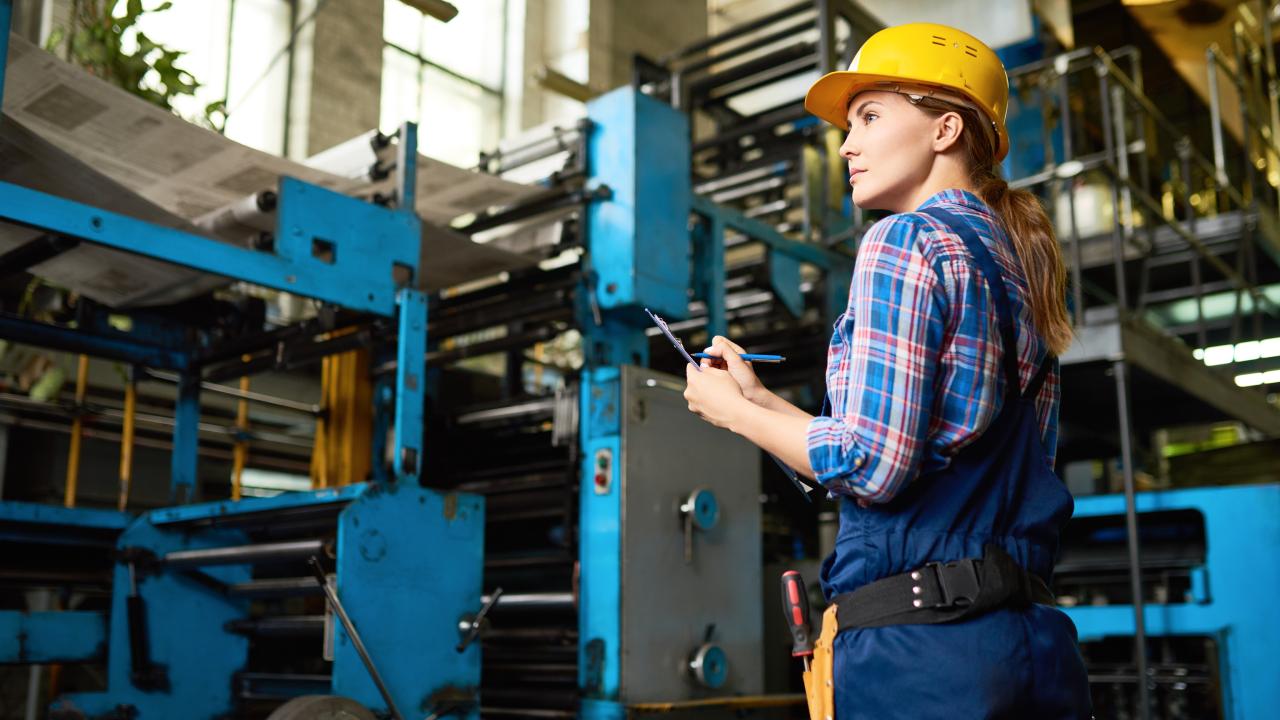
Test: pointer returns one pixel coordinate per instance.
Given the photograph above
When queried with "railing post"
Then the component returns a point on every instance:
(1117, 233)
(1119, 370)
(1077, 288)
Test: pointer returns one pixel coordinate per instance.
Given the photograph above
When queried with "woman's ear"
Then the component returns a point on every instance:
(949, 128)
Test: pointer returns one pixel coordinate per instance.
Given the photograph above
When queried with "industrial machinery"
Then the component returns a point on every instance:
(610, 486)
(1207, 639)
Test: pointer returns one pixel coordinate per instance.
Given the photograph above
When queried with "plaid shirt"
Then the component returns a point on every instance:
(913, 371)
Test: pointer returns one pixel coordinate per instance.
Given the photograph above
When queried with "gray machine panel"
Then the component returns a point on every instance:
(667, 453)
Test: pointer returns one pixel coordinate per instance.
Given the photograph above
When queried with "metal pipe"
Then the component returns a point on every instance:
(532, 601)
(1122, 158)
(1077, 259)
(77, 431)
(242, 393)
(1117, 234)
(350, 627)
(1119, 369)
(288, 625)
(275, 588)
(736, 32)
(242, 554)
(242, 444)
(530, 408)
(126, 439)
(1215, 117)
(1184, 155)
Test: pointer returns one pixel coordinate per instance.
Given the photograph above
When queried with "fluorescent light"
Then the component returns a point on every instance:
(1247, 351)
(1271, 347)
(1198, 354)
(1249, 380)
(1219, 355)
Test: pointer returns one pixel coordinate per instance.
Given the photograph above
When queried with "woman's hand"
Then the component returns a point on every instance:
(741, 370)
(714, 395)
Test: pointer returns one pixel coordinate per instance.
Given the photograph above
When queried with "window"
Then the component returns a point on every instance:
(446, 77)
(241, 53)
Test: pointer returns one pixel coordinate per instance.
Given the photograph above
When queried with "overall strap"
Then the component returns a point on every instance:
(988, 269)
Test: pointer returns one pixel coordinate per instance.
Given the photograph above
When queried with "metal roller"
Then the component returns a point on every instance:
(533, 601)
(242, 554)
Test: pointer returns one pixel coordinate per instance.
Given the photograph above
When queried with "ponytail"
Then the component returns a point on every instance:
(1034, 241)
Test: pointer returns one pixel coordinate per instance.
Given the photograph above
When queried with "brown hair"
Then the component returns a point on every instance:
(1024, 219)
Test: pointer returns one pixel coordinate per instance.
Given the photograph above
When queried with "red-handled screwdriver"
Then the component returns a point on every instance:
(795, 604)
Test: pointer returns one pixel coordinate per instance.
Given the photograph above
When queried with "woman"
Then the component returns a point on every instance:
(943, 395)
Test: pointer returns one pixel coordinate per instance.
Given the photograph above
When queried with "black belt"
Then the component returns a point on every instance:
(942, 593)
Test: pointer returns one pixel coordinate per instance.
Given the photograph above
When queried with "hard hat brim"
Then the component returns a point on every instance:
(828, 97)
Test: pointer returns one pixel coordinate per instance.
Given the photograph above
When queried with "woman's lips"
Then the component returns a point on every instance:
(853, 173)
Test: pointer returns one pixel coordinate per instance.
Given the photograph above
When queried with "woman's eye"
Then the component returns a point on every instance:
(866, 119)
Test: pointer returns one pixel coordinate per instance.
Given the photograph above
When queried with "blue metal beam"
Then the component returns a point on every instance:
(188, 513)
(411, 367)
(12, 511)
(6, 14)
(758, 230)
(314, 227)
(52, 637)
(184, 464)
(56, 337)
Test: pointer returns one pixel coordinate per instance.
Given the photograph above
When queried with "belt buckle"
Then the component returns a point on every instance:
(957, 582)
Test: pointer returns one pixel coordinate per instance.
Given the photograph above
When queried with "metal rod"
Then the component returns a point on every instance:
(1077, 286)
(1119, 369)
(77, 432)
(1215, 117)
(242, 445)
(528, 601)
(241, 393)
(355, 637)
(126, 440)
(242, 554)
(1117, 233)
(1184, 155)
(275, 587)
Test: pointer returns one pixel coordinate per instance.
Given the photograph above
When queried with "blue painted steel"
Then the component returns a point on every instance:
(766, 234)
(183, 467)
(839, 281)
(603, 402)
(709, 273)
(369, 240)
(57, 525)
(784, 278)
(1242, 532)
(411, 366)
(602, 710)
(147, 329)
(184, 629)
(600, 554)
(706, 510)
(410, 565)
(57, 337)
(187, 513)
(639, 239)
(11, 511)
(50, 637)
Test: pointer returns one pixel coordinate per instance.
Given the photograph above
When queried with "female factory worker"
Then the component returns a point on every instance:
(942, 405)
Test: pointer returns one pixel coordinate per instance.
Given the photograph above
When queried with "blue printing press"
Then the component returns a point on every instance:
(191, 567)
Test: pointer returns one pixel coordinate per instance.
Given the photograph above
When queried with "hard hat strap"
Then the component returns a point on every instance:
(915, 93)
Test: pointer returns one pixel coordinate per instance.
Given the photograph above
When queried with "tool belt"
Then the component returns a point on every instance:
(943, 592)
(935, 593)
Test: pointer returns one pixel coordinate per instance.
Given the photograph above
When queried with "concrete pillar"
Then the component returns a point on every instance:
(346, 73)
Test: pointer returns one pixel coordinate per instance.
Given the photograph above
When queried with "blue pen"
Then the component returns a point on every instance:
(746, 356)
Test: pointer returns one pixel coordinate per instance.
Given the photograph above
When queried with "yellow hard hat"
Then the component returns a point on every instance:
(920, 59)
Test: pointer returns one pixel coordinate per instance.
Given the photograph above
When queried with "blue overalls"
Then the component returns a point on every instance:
(999, 489)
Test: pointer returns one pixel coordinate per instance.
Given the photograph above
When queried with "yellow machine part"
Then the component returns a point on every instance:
(343, 451)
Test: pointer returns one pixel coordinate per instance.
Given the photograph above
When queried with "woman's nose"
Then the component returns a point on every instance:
(849, 149)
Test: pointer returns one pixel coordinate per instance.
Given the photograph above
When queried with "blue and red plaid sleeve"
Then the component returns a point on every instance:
(881, 365)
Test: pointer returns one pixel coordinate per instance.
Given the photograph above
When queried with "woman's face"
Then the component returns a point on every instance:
(890, 150)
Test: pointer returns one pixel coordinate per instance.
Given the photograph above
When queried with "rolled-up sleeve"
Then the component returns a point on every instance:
(882, 364)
